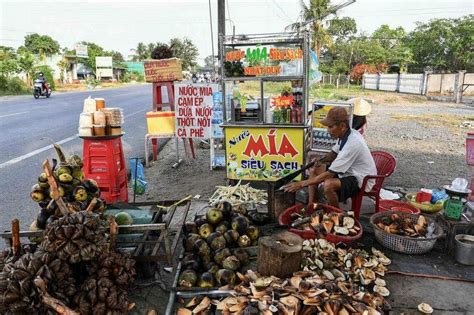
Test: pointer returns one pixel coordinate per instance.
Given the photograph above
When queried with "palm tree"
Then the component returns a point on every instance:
(141, 52)
(313, 16)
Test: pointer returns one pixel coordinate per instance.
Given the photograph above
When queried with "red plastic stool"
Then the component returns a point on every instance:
(104, 162)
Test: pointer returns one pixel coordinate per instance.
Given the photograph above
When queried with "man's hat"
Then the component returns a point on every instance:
(335, 115)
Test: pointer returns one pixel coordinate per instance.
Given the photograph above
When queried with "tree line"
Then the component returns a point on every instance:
(438, 45)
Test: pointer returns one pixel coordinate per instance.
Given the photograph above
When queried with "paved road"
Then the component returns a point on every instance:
(29, 126)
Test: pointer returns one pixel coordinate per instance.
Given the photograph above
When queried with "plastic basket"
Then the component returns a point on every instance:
(285, 219)
(387, 205)
(424, 207)
(405, 244)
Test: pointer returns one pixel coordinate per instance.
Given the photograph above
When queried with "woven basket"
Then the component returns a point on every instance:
(405, 244)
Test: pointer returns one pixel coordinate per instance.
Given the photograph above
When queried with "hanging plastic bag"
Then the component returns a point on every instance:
(138, 182)
(314, 74)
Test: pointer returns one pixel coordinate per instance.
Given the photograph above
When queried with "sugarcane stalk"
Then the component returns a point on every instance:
(16, 237)
(54, 188)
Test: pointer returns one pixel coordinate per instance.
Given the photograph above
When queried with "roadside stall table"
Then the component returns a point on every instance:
(265, 135)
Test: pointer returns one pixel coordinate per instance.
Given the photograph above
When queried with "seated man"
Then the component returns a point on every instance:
(349, 162)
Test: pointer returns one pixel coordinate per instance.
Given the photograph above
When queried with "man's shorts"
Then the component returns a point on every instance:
(349, 188)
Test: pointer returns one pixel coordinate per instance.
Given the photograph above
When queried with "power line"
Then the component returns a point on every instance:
(278, 6)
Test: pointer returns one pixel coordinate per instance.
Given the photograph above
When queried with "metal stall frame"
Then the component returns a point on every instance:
(267, 39)
(302, 40)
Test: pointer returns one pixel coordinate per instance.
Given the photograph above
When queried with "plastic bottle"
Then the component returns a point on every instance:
(283, 114)
(276, 115)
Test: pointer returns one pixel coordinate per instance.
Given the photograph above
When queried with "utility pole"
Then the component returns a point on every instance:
(220, 23)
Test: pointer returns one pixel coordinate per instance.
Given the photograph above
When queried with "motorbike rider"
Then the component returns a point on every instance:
(43, 80)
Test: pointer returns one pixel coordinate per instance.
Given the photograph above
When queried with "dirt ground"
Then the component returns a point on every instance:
(426, 138)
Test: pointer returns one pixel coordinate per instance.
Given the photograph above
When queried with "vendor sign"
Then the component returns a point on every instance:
(163, 70)
(264, 60)
(193, 103)
(267, 154)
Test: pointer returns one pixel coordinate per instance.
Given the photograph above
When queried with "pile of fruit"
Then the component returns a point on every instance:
(77, 266)
(320, 221)
(214, 247)
(75, 191)
(395, 224)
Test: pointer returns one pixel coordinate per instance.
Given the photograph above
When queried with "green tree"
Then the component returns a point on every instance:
(185, 50)
(8, 67)
(314, 14)
(27, 64)
(342, 28)
(141, 52)
(48, 74)
(64, 66)
(444, 44)
(42, 45)
(7, 53)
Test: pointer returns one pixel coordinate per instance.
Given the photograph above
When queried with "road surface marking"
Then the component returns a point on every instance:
(35, 152)
(8, 115)
(134, 113)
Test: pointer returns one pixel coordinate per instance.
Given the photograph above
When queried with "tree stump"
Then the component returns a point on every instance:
(279, 255)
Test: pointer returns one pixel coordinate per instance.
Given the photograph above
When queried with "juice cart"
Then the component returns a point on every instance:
(265, 101)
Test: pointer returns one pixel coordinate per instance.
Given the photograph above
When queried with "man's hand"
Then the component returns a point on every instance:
(293, 187)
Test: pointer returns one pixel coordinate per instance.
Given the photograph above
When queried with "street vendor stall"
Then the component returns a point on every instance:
(264, 135)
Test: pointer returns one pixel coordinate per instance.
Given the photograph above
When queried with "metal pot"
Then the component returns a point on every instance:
(464, 251)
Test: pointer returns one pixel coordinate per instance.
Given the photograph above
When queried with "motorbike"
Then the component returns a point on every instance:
(41, 90)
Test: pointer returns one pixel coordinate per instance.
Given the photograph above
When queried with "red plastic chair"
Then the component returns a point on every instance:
(385, 164)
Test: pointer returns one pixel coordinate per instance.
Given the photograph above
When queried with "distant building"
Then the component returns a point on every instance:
(70, 75)
(135, 66)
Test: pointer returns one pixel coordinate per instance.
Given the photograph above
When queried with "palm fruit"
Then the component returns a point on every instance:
(81, 236)
(240, 224)
(62, 169)
(205, 230)
(221, 254)
(80, 193)
(225, 277)
(43, 178)
(104, 291)
(190, 240)
(18, 293)
(216, 240)
(244, 241)
(206, 280)
(214, 216)
(222, 227)
(253, 232)
(78, 173)
(188, 278)
(37, 194)
(231, 263)
(242, 255)
(65, 178)
(231, 236)
(90, 185)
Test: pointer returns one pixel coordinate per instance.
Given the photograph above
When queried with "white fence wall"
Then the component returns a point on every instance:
(405, 83)
(388, 82)
(411, 83)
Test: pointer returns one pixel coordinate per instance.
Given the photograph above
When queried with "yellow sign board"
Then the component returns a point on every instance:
(263, 153)
(319, 114)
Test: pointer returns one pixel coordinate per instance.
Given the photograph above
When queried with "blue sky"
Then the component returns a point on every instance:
(120, 25)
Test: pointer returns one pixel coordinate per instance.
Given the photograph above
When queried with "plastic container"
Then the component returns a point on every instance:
(86, 120)
(85, 132)
(89, 105)
(285, 219)
(424, 207)
(115, 131)
(99, 130)
(464, 250)
(114, 116)
(423, 196)
(387, 205)
(99, 118)
(161, 123)
(99, 103)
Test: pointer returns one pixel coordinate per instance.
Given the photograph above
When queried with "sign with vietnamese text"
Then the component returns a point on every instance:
(163, 70)
(267, 60)
(193, 104)
(262, 153)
